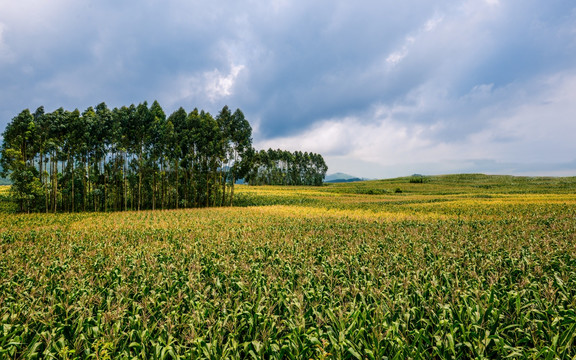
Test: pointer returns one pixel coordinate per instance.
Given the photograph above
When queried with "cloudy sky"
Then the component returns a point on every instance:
(381, 88)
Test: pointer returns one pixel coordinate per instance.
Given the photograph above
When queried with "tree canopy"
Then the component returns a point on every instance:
(136, 157)
(281, 167)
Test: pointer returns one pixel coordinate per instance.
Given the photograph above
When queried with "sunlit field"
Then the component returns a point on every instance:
(463, 266)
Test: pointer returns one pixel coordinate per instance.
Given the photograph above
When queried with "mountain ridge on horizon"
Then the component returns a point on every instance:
(342, 177)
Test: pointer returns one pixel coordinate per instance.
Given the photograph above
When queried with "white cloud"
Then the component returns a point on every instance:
(209, 85)
(433, 23)
(382, 140)
(218, 85)
(538, 129)
(398, 55)
(394, 58)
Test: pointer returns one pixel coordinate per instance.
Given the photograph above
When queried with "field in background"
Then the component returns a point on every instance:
(457, 266)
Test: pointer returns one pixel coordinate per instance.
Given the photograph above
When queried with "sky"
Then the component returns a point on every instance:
(380, 88)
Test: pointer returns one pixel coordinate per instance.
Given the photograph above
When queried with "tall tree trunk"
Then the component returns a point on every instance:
(72, 177)
(105, 188)
(140, 177)
(84, 183)
(46, 195)
(232, 191)
(185, 188)
(223, 175)
(51, 175)
(154, 187)
(132, 198)
(95, 185)
(176, 183)
(163, 176)
(207, 186)
(125, 185)
(43, 179)
(55, 182)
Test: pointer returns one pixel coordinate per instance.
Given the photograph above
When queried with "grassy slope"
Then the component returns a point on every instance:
(466, 184)
(461, 266)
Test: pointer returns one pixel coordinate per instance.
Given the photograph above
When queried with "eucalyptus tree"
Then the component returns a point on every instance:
(128, 141)
(320, 169)
(41, 127)
(116, 169)
(175, 125)
(167, 140)
(72, 146)
(18, 152)
(208, 143)
(83, 135)
(236, 142)
(19, 136)
(224, 121)
(116, 166)
(190, 138)
(143, 120)
(57, 131)
(155, 147)
(101, 145)
(240, 140)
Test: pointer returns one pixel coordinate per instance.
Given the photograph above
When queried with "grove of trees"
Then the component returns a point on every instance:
(281, 167)
(136, 157)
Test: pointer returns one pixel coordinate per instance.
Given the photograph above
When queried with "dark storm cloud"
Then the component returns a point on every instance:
(306, 60)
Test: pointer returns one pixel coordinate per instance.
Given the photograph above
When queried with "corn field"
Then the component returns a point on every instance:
(455, 267)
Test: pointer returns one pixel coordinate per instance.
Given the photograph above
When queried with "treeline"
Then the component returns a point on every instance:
(136, 157)
(280, 167)
(127, 158)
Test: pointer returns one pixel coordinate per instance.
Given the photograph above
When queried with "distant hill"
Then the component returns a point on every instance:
(480, 185)
(341, 178)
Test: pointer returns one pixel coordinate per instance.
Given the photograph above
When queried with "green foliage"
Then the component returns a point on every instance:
(279, 167)
(126, 158)
(417, 179)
